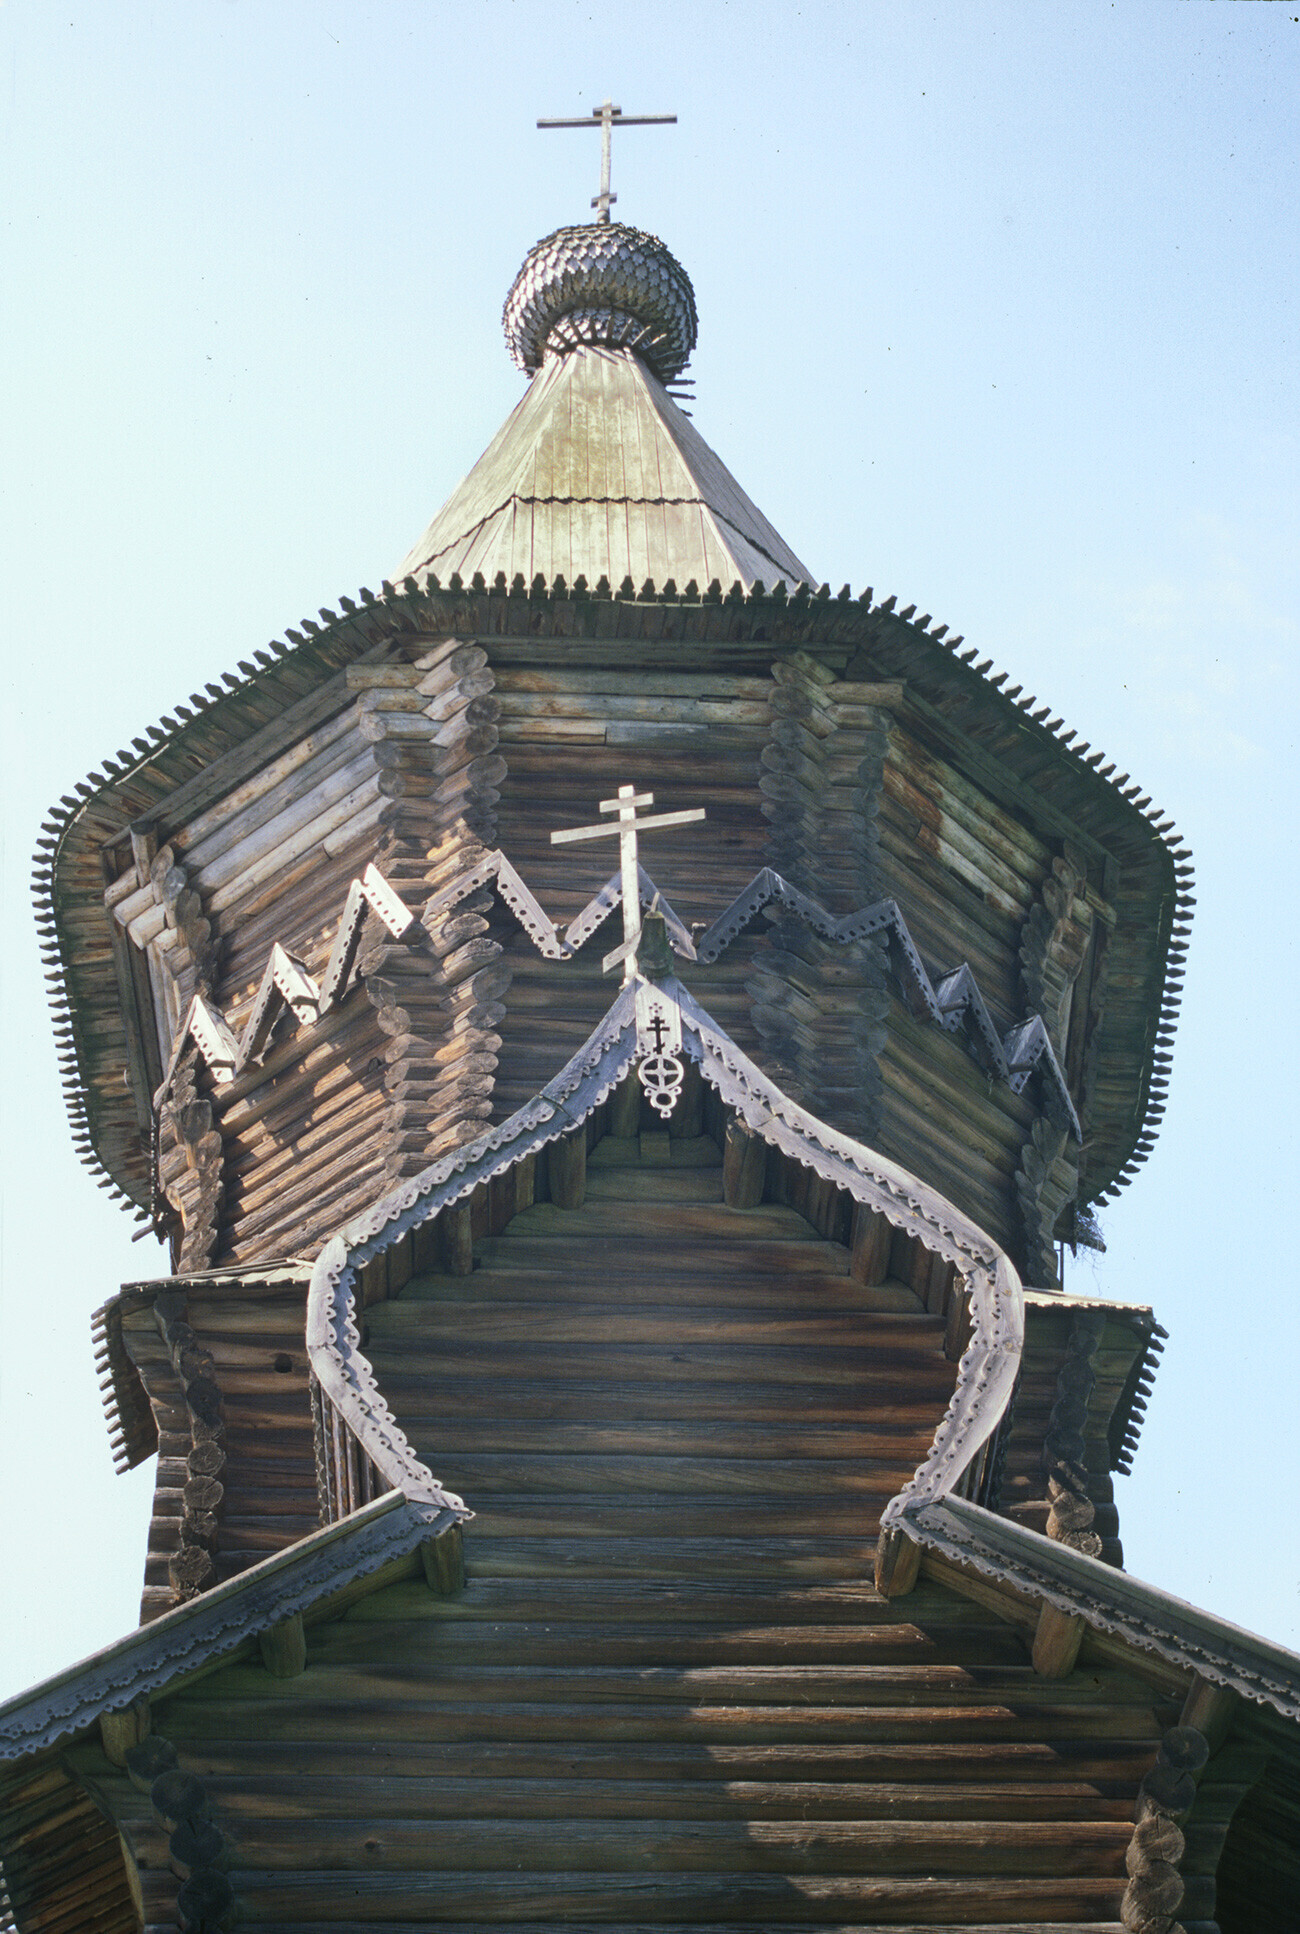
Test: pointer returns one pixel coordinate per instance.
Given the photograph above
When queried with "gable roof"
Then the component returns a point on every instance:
(597, 473)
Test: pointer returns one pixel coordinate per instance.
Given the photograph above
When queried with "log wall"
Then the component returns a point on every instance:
(571, 738)
(428, 759)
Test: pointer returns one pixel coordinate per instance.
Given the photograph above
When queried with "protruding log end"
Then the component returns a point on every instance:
(1056, 1642)
(744, 1167)
(898, 1564)
(284, 1648)
(443, 1559)
(120, 1731)
(148, 1761)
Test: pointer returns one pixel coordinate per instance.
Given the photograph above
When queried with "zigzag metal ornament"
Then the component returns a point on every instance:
(954, 1004)
(286, 983)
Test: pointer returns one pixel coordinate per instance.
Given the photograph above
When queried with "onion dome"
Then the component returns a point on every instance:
(606, 284)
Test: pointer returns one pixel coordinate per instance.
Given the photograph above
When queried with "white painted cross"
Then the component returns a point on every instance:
(627, 826)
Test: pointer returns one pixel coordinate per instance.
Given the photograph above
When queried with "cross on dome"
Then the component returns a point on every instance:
(608, 116)
(627, 826)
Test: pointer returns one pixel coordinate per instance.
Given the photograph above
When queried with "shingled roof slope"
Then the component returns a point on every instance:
(597, 473)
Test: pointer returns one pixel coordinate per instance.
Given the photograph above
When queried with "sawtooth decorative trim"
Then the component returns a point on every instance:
(132, 1426)
(108, 800)
(1126, 1423)
(285, 984)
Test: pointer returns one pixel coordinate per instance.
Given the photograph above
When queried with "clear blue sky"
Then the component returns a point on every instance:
(997, 313)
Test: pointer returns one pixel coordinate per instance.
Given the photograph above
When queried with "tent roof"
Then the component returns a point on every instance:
(597, 473)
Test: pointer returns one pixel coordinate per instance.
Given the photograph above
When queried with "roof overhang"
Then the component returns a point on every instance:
(1026, 757)
(310, 1578)
(1109, 1600)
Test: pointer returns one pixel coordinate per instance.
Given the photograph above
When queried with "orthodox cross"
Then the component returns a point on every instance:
(627, 826)
(607, 115)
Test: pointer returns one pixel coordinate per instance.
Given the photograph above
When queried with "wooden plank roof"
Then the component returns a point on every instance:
(597, 473)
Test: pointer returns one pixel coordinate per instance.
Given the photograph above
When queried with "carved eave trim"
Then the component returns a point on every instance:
(988, 1368)
(204, 1630)
(1140, 1614)
(1124, 1427)
(128, 1413)
(1040, 755)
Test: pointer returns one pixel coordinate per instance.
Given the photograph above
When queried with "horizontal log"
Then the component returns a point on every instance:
(967, 1847)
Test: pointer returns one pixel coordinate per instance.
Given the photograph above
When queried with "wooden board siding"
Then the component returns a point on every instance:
(941, 1117)
(669, 1692)
(212, 747)
(598, 473)
(431, 756)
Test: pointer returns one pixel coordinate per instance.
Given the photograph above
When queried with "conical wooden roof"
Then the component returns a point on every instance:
(597, 473)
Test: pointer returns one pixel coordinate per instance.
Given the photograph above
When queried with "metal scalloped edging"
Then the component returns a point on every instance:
(1108, 1599)
(215, 1623)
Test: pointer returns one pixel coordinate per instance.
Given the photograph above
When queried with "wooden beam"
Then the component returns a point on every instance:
(898, 1564)
(443, 1559)
(687, 1121)
(625, 1107)
(744, 1166)
(456, 1239)
(1209, 1708)
(284, 1648)
(869, 1244)
(567, 1168)
(1057, 1639)
(122, 1730)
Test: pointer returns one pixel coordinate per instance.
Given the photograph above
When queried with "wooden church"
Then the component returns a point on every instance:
(616, 1036)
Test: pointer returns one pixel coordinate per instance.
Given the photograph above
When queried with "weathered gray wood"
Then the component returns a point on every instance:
(744, 1167)
(897, 1564)
(121, 1730)
(1209, 1709)
(456, 1239)
(284, 1648)
(443, 1559)
(1057, 1638)
(567, 1170)
(869, 1245)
